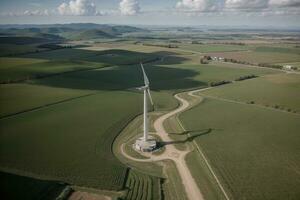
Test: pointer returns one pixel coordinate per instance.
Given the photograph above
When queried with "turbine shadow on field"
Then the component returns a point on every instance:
(122, 77)
(191, 135)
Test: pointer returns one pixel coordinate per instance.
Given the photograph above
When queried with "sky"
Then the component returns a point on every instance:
(252, 13)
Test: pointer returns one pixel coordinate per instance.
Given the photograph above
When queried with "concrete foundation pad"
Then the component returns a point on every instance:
(145, 146)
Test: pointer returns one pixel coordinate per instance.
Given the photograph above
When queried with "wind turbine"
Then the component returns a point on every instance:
(144, 143)
(146, 90)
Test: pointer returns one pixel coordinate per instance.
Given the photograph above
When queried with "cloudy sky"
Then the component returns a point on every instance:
(259, 13)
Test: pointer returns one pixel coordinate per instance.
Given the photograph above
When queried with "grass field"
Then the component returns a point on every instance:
(260, 57)
(254, 151)
(13, 49)
(20, 97)
(18, 187)
(95, 119)
(207, 48)
(37, 70)
(280, 90)
(286, 50)
(79, 151)
(112, 56)
(203, 177)
(63, 127)
(206, 74)
(7, 62)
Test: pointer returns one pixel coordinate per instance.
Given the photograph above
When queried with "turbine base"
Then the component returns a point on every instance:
(145, 146)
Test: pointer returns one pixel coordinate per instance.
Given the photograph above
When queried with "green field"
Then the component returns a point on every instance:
(254, 151)
(278, 49)
(143, 187)
(13, 49)
(38, 70)
(19, 187)
(20, 97)
(213, 73)
(207, 48)
(260, 57)
(80, 148)
(65, 112)
(280, 90)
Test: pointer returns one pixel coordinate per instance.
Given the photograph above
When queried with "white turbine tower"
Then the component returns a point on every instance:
(145, 143)
(146, 90)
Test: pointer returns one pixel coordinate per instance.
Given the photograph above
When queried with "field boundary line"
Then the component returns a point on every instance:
(247, 104)
(44, 106)
(211, 171)
(200, 151)
(208, 165)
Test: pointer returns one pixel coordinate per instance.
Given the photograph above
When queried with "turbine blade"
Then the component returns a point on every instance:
(149, 94)
(146, 80)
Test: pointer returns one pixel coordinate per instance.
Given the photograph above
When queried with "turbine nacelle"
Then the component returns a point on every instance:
(146, 86)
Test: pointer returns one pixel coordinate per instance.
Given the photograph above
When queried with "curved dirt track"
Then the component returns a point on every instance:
(171, 153)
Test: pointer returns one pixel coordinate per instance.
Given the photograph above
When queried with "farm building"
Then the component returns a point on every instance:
(288, 67)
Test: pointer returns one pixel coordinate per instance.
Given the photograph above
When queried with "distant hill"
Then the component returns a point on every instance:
(68, 31)
(90, 34)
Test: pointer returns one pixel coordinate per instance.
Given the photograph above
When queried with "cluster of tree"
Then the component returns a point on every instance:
(237, 61)
(175, 41)
(161, 45)
(196, 42)
(213, 84)
(205, 59)
(245, 77)
(230, 43)
(52, 46)
(270, 65)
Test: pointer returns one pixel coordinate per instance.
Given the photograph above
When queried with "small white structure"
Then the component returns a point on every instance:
(214, 58)
(288, 67)
(145, 143)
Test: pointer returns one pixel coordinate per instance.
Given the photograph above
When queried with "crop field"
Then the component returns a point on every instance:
(287, 50)
(212, 73)
(73, 154)
(7, 62)
(207, 48)
(37, 70)
(203, 177)
(12, 49)
(80, 148)
(20, 97)
(142, 187)
(254, 151)
(91, 106)
(260, 57)
(112, 56)
(65, 112)
(279, 90)
(20, 187)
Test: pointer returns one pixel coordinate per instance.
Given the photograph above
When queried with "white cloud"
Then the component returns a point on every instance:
(284, 3)
(246, 4)
(77, 7)
(35, 13)
(199, 5)
(129, 7)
